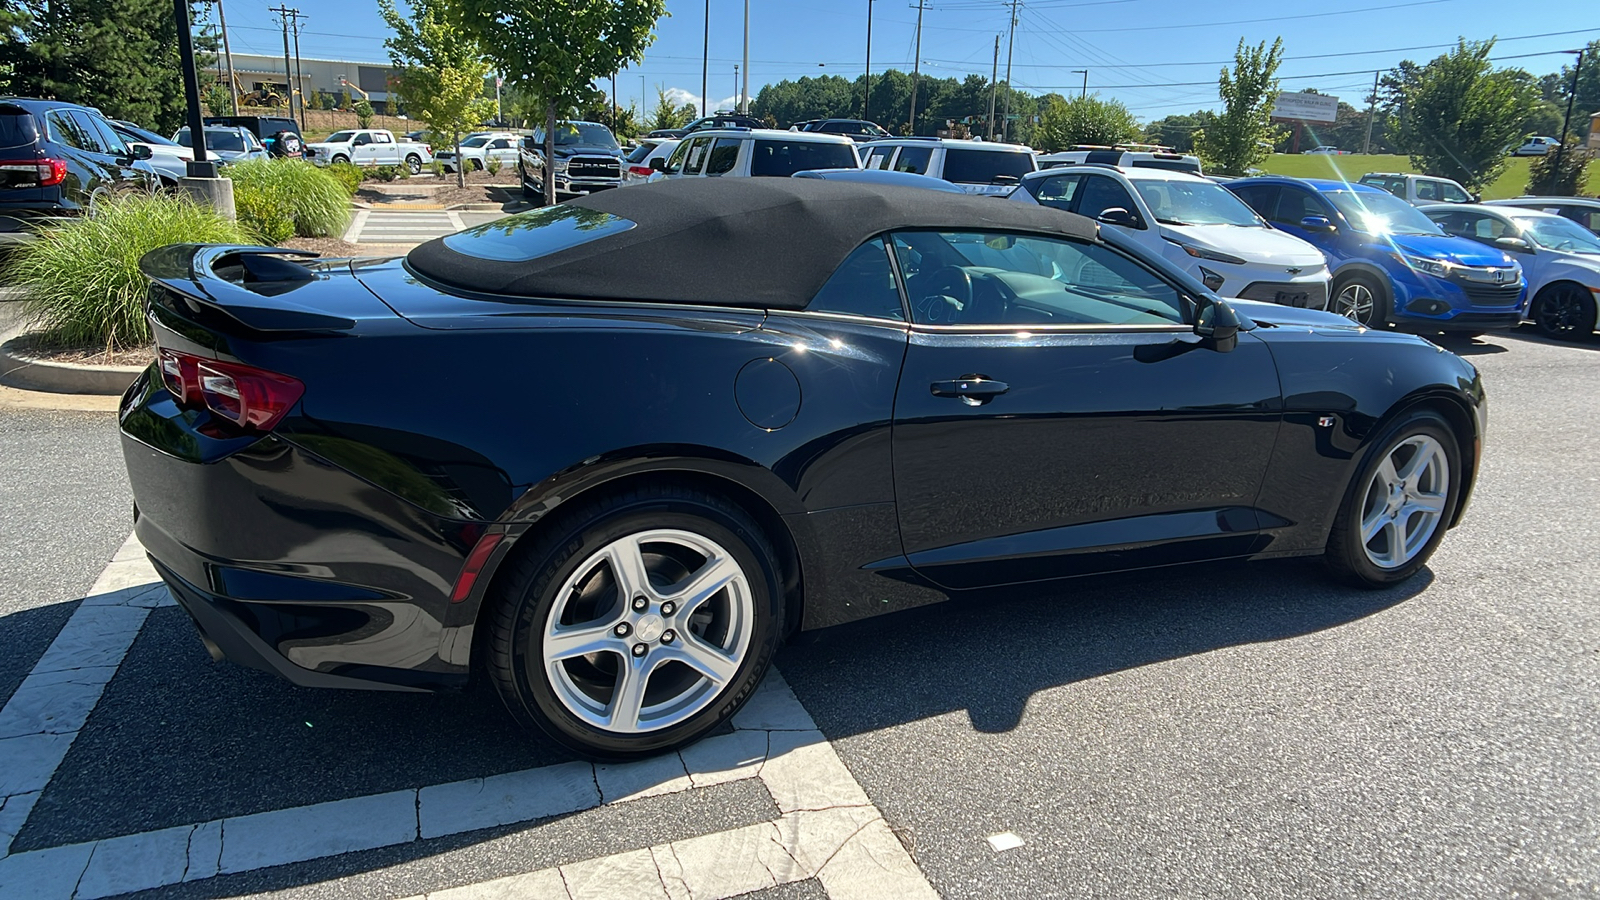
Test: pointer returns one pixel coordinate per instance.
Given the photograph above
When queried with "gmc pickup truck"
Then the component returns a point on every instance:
(370, 147)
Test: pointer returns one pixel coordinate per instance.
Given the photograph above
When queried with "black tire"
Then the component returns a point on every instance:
(525, 596)
(414, 164)
(1355, 283)
(341, 158)
(1346, 553)
(1564, 311)
(475, 165)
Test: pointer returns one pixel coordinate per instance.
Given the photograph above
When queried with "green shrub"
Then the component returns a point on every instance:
(364, 113)
(1544, 180)
(387, 173)
(265, 215)
(494, 166)
(347, 175)
(317, 202)
(81, 281)
(437, 168)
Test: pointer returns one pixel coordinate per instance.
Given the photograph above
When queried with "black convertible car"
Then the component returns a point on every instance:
(610, 453)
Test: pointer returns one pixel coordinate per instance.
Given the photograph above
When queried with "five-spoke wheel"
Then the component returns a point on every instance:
(636, 623)
(1400, 502)
(1361, 299)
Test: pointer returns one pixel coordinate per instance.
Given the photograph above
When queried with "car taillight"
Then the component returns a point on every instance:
(646, 171)
(428, 149)
(244, 395)
(47, 172)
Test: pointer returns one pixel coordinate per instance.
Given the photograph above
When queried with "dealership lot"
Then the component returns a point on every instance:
(1203, 732)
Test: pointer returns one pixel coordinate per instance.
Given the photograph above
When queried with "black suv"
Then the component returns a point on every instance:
(272, 131)
(56, 161)
(719, 119)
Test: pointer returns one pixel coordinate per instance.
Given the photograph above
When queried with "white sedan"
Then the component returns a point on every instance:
(1560, 258)
(478, 149)
(637, 168)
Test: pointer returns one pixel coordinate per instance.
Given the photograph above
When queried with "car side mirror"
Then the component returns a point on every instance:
(139, 151)
(659, 164)
(1514, 244)
(1218, 327)
(1319, 224)
(1116, 215)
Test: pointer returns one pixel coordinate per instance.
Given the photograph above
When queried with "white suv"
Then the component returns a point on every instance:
(977, 167)
(1129, 157)
(756, 152)
(1195, 223)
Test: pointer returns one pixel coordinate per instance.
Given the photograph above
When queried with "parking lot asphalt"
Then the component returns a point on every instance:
(1218, 731)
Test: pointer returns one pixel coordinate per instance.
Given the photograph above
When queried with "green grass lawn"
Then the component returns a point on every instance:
(1511, 183)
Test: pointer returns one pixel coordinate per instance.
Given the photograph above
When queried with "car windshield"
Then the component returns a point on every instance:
(576, 134)
(475, 142)
(1375, 212)
(220, 141)
(1559, 234)
(984, 166)
(1195, 203)
(780, 158)
(134, 133)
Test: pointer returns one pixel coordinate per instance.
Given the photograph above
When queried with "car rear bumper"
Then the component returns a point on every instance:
(289, 562)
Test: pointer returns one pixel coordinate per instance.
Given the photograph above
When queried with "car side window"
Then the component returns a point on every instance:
(88, 134)
(863, 285)
(1100, 193)
(1295, 204)
(1057, 191)
(988, 278)
(1588, 218)
(362, 140)
(1259, 197)
(1453, 194)
(697, 156)
(382, 138)
(724, 156)
(64, 129)
(1427, 190)
(878, 158)
(675, 161)
(109, 139)
(913, 160)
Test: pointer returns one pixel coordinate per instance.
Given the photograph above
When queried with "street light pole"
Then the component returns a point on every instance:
(200, 167)
(705, 63)
(227, 52)
(866, 101)
(1566, 122)
(744, 95)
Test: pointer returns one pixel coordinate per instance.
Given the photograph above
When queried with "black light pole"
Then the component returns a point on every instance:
(199, 167)
(1572, 94)
(866, 102)
(705, 62)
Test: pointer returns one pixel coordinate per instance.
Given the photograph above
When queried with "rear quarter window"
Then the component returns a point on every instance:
(982, 166)
(17, 128)
(780, 158)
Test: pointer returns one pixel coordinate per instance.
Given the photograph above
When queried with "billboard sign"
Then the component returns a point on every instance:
(1308, 107)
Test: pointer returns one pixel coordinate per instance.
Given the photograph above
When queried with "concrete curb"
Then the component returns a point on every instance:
(19, 370)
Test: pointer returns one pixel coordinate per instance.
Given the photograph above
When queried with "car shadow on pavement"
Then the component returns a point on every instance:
(1531, 335)
(989, 654)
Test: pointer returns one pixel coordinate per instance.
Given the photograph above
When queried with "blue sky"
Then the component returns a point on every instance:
(1156, 56)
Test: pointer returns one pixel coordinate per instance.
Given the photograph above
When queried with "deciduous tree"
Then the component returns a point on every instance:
(1084, 120)
(1456, 115)
(439, 73)
(556, 49)
(1243, 134)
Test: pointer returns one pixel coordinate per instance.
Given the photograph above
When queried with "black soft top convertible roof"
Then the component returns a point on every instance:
(746, 242)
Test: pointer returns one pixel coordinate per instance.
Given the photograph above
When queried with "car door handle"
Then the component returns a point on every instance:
(973, 390)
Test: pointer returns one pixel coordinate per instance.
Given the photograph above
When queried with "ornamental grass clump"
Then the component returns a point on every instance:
(80, 282)
(318, 204)
(347, 175)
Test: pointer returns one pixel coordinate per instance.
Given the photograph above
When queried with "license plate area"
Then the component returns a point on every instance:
(1291, 298)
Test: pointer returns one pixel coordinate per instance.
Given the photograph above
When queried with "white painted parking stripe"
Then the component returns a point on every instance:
(49, 708)
(357, 222)
(828, 828)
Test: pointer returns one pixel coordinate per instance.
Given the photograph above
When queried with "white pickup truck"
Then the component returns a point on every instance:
(371, 147)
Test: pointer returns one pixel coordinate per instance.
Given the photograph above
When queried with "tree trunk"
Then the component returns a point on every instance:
(461, 164)
(549, 154)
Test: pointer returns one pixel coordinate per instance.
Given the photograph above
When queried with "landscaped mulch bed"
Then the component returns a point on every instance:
(329, 247)
(31, 345)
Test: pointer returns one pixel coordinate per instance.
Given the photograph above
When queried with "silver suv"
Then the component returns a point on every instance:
(756, 152)
(977, 167)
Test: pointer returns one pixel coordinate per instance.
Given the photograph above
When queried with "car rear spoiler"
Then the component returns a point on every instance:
(249, 284)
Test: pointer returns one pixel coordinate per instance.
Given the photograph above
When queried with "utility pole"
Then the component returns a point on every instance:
(744, 95)
(916, 67)
(1372, 112)
(613, 102)
(298, 75)
(227, 52)
(994, 84)
(705, 62)
(1572, 94)
(866, 101)
(736, 87)
(288, 74)
(1011, 43)
(1083, 94)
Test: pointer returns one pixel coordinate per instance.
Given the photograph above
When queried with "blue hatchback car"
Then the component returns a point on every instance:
(1390, 263)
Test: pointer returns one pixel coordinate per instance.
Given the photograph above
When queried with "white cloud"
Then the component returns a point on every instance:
(679, 96)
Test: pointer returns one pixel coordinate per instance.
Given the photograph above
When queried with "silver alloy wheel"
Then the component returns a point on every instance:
(1355, 302)
(648, 631)
(1405, 501)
